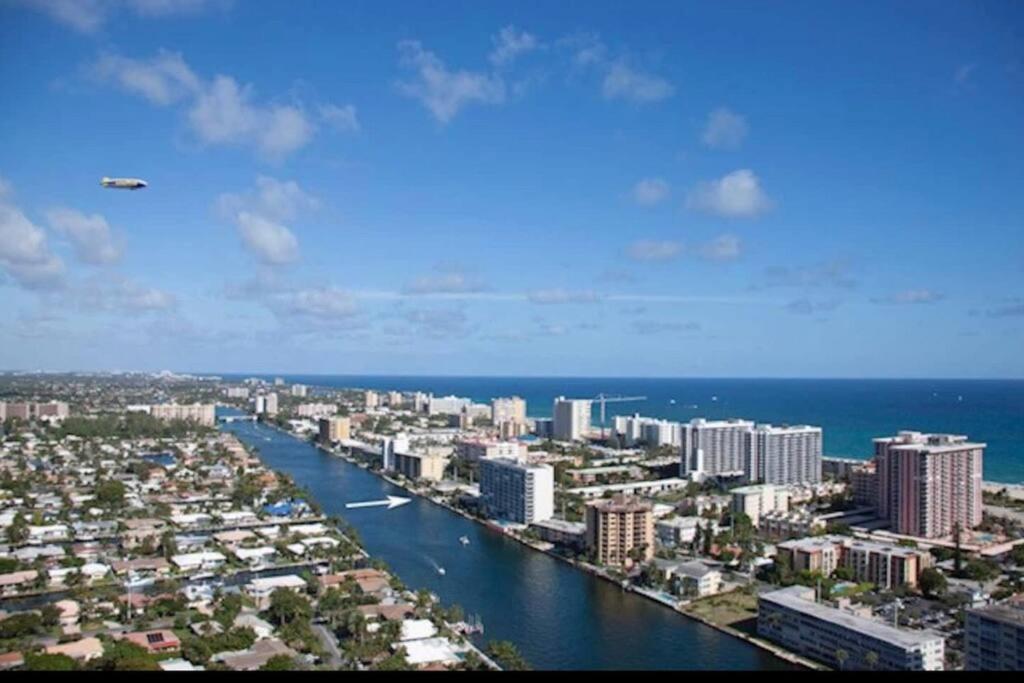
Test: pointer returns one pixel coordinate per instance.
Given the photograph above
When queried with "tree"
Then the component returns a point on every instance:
(20, 625)
(841, 657)
(279, 663)
(932, 582)
(110, 493)
(287, 606)
(41, 661)
(871, 659)
(124, 655)
(507, 656)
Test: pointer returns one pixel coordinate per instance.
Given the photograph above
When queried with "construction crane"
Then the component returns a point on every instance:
(603, 399)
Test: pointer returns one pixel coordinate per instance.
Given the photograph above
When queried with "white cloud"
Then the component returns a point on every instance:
(120, 295)
(163, 80)
(911, 296)
(88, 16)
(259, 216)
(725, 129)
(509, 44)
(328, 303)
(723, 248)
(736, 195)
(810, 307)
(93, 241)
(343, 118)
(624, 82)
(25, 254)
(650, 191)
(274, 244)
(653, 327)
(224, 114)
(437, 323)
(562, 296)
(442, 91)
(654, 250)
(220, 111)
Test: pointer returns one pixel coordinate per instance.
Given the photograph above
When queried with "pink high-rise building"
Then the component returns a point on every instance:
(929, 482)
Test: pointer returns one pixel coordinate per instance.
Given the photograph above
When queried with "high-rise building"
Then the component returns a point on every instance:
(389, 448)
(864, 484)
(395, 399)
(508, 410)
(447, 405)
(334, 429)
(929, 483)
(299, 390)
(842, 639)
(635, 429)
(620, 531)
(517, 492)
(270, 404)
(785, 455)
(371, 399)
(29, 411)
(571, 419)
(994, 638)
(204, 414)
(716, 448)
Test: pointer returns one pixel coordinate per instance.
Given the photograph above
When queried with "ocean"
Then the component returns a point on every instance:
(851, 412)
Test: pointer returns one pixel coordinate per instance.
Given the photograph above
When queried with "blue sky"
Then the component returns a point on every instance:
(661, 189)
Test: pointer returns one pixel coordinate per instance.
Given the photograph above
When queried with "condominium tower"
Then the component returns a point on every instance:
(929, 483)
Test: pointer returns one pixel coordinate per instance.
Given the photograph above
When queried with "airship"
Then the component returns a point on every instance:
(123, 183)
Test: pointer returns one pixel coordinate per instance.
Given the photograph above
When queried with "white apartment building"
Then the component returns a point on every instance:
(508, 410)
(785, 455)
(204, 414)
(299, 390)
(716, 448)
(517, 492)
(571, 419)
(474, 450)
(791, 617)
(390, 447)
(447, 405)
(653, 432)
(755, 501)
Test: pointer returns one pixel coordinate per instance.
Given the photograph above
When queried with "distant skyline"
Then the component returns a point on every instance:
(686, 189)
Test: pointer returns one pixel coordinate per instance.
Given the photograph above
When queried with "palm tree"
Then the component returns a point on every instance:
(871, 659)
(841, 657)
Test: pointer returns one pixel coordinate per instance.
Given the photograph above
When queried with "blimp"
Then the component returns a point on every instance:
(124, 183)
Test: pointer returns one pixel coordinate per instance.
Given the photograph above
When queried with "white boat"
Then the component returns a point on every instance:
(441, 571)
(464, 540)
(714, 398)
(672, 401)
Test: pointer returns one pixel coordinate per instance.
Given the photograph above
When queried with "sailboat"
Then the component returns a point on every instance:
(464, 540)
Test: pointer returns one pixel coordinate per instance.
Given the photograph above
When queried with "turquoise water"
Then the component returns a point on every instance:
(851, 412)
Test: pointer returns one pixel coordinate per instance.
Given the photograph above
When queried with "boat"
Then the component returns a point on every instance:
(672, 401)
(464, 540)
(441, 571)
(714, 398)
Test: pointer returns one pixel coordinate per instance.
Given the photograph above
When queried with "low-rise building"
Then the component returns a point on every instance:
(994, 638)
(842, 640)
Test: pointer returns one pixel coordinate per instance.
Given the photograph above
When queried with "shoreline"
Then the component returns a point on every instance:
(586, 568)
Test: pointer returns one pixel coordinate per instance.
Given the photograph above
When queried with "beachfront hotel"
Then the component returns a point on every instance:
(929, 483)
(570, 419)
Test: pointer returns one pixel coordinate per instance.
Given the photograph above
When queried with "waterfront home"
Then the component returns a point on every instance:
(370, 581)
(143, 567)
(429, 651)
(191, 520)
(312, 529)
(395, 612)
(198, 561)
(47, 533)
(415, 629)
(237, 517)
(14, 581)
(233, 537)
(255, 556)
(69, 615)
(260, 589)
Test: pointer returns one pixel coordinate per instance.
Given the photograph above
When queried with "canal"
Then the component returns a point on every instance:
(558, 616)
